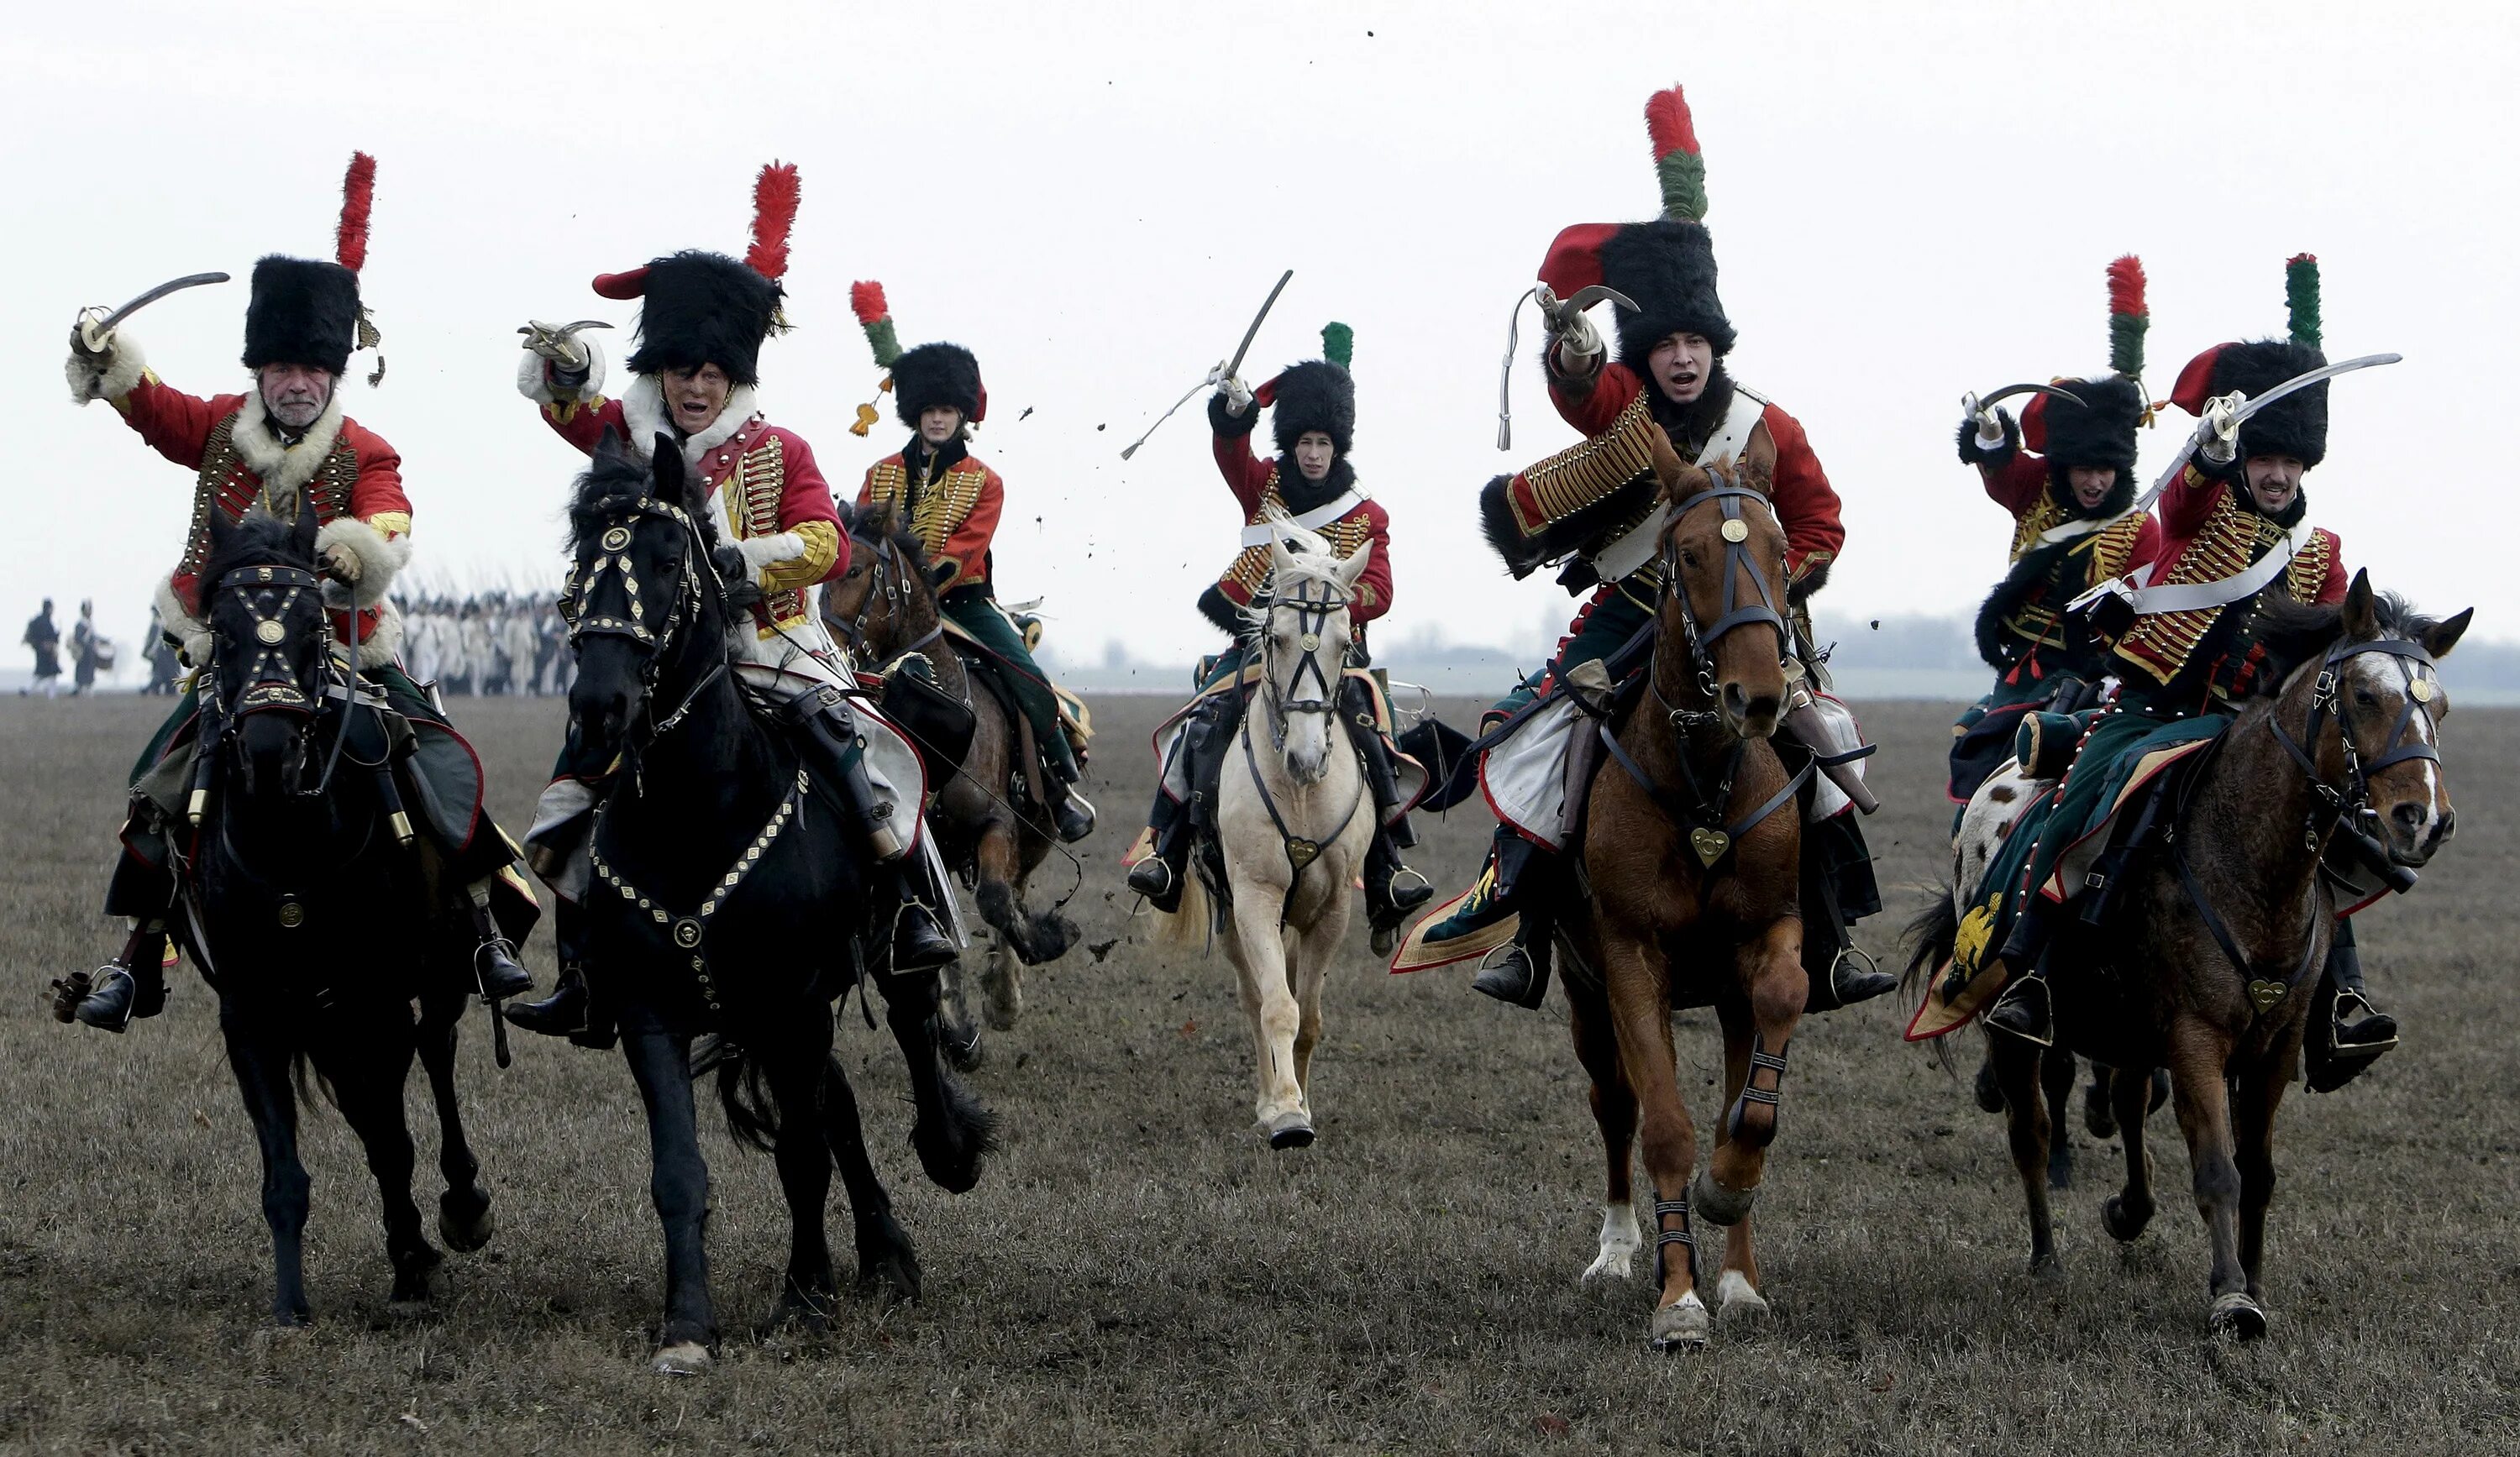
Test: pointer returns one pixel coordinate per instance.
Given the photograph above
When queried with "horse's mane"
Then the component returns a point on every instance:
(260, 539)
(882, 524)
(612, 485)
(2295, 633)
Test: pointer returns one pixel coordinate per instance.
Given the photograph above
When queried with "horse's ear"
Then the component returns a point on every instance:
(2441, 638)
(1677, 478)
(1352, 567)
(301, 538)
(221, 529)
(2360, 619)
(665, 469)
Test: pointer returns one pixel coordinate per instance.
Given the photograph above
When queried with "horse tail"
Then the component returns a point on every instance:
(751, 1116)
(1187, 927)
(1931, 935)
(311, 1084)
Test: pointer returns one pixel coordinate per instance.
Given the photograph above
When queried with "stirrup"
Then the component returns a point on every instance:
(1408, 897)
(103, 978)
(2338, 1029)
(1497, 979)
(2038, 1027)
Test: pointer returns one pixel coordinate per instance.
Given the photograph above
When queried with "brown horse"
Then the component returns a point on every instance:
(1690, 893)
(2212, 958)
(884, 606)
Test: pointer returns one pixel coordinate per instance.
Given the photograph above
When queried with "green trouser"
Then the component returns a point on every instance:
(2083, 804)
(1615, 614)
(976, 612)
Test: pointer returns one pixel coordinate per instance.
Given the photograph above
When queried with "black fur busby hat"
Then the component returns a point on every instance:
(1667, 265)
(706, 308)
(305, 311)
(2295, 425)
(1318, 394)
(938, 375)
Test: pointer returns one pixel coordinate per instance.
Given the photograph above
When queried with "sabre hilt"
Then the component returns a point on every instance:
(560, 344)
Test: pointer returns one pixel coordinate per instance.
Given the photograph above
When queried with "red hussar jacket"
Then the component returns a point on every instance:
(954, 512)
(1256, 487)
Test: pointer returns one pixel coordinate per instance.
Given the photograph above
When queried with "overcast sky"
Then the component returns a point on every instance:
(1908, 201)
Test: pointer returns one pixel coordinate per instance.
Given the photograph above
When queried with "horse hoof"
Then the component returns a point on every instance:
(2121, 1226)
(1290, 1131)
(2048, 1268)
(2099, 1119)
(1738, 1298)
(1682, 1325)
(682, 1358)
(963, 1047)
(810, 1312)
(465, 1235)
(1716, 1204)
(2238, 1315)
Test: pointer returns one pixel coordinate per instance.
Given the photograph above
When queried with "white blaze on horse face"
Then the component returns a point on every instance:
(2391, 681)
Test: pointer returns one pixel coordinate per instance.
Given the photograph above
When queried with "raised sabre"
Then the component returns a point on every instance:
(95, 328)
(2241, 407)
(1218, 375)
(558, 342)
(1558, 312)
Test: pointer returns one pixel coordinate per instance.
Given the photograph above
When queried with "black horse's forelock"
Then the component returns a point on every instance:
(258, 538)
(612, 489)
(2294, 633)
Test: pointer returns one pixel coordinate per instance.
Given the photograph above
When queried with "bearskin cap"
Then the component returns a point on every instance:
(2100, 432)
(700, 308)
(303, 311)
(938, 375)
(1315, 395)
(1668, 267)
(2295, 425)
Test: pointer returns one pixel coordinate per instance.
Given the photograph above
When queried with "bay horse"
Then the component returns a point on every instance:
(2212, 958)
(1687, 891)
(883, 607)
(727, 896)
(324, 936)
(1293, 823)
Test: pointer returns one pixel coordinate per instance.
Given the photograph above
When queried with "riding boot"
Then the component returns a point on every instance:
(1158, 877)
(560, 1014)
(1392, 890)
(2347, 1033)
(133, 985)
(2025, 1010)
(919, 944)
(1071, 812)
(826, 740)
(1517, 972)
(495, 972)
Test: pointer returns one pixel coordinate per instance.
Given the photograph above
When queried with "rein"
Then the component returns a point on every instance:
(1312, 617)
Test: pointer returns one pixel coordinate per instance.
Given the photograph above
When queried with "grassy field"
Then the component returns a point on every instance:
(1137, 1274)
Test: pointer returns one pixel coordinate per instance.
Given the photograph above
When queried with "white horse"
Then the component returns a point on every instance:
(1294, 819)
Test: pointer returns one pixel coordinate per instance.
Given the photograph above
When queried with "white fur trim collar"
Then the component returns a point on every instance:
(643, 411)
(175, 619)
(282, 468)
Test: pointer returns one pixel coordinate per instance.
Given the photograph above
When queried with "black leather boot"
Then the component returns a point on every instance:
(131, 986)
(495, 972)
(2024, 1011)
(2347, 1033)
(560, 1014)
(1517, 973)
(1073, 814)
(1159, 876)
(918, 942)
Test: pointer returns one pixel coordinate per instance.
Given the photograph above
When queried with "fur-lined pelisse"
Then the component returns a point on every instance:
(1668, 268)
(2295, 425)
(937, 374)
(1315, 395)
(2100, 432)
(305, 311)
(704, 308)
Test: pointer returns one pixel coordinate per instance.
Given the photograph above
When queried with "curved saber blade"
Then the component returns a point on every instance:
(97, 333)
(2026, 388)
(1221, 374)
(1205, 384)
(2187, 451)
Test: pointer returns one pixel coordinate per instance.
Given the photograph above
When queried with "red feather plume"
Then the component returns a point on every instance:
(1668, 122)
(2126, 285)
(358, 194)
(773, 211)
(867, 300)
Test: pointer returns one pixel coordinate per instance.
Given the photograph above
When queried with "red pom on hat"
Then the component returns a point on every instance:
(774, 212)
(358, 194)
(867, 301)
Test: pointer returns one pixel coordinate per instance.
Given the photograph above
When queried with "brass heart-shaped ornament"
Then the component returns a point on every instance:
(2264, 994)
(1710, 845)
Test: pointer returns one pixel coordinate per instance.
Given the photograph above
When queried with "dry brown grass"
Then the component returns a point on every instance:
(1136, 1274)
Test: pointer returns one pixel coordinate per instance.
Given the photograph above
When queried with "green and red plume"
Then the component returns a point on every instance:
(2300, 298)
(774, 212)
(1338, 343)
(358, 194)
(2129, 316)
(1676, 159)
(875, 316)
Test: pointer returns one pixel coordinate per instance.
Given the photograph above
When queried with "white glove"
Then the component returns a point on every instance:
(1238, 396)
(761, 552)
(1989, 424)
(2218, 430)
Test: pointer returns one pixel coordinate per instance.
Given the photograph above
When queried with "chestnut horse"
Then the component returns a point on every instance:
(2211, 960)
(1689, 891)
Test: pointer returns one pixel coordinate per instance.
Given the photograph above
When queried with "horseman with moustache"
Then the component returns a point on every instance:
(1312, 421)
(702, 321)
(2066, 472)
(951, 501)
(277, 448)
(1595, 504)
(2234, 520)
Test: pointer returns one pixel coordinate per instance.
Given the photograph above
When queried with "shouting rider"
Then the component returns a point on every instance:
(2066, 472)
(1595, 504)
(277, 447)
(950, 500)
(1313, 421)
(2237, 505)
(702, 319)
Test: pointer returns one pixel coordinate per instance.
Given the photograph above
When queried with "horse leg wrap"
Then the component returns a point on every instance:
(1751, 1093)
(1666, 1237)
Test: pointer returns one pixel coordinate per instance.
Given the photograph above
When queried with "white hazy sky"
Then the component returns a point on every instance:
(1909, 202)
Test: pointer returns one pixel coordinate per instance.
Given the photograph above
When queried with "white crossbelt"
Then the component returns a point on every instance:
(2191, 596)
(1257, 534)
(1632, 550)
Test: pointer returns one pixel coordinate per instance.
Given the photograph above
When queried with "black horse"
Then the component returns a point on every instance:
(303, 906)
(726, 896)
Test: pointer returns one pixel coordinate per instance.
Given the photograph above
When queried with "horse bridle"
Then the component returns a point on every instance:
(272, 685)
(613, 557)
(2350, 806)
(1737, 565)
(1312, 617)
(891, 586)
